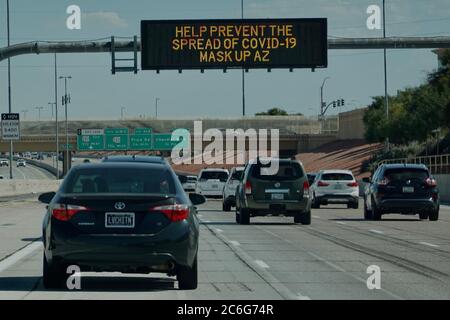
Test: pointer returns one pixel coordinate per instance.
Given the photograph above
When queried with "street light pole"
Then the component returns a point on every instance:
(66, 100)
(386, 98)
(39, 112)
(56, 119)
(156, 107)
(321, 94)
(121, 112)
(11, 149)
(51, 104)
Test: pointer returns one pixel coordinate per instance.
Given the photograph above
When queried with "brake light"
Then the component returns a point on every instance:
(64, 212)
(322, 184)
(352, 184)
(248, 188)
(430, 182)
(305, 188)
(175, 212)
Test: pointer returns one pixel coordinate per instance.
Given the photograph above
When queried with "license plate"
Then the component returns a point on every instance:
(338, 187)
(408, 189)
(119, 220)
(277, 196)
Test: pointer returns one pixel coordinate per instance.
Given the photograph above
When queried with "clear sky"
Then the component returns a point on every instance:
(355, 76)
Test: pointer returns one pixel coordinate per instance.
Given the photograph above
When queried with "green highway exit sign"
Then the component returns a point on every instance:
(116, 142)
(90, 142)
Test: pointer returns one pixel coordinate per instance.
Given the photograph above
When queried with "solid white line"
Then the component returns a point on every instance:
(206, 221)
(262, 264)
(317, 217)
(19, 255)
(235, 243)
(376, 231)
(218, 230)
(429, 244)
(340, 222)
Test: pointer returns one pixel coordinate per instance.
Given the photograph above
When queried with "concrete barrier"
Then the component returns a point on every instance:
(21, 187)
(443, 181)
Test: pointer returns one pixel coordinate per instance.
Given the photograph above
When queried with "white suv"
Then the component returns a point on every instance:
(210, 182)
(229, 191)
(335, 187)
(4, 162)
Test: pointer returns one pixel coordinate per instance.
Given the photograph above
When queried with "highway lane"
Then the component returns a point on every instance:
(23, 173)
(271, 258)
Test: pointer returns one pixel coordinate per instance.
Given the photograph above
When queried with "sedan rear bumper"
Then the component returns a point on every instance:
(336, 199)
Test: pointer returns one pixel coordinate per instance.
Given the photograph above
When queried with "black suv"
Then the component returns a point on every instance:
(401, 188)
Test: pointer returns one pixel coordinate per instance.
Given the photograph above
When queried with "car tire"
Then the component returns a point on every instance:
(315, 204)
(434, 215)
(244, 216)
(367, 212)
(226, 206)
(423, 215)
(53, 276)
(188, 276)
(376, 213)
(303, 217)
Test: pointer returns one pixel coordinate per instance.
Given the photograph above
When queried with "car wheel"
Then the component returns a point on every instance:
(367, 212)
(226, 206)
(244, 216)
(376, 213)
(434, 215)
(315, 204)
(303, 218)
(53, 276)
(423, 215)
(188, 276)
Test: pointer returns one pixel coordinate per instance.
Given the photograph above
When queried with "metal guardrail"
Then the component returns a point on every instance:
(439, 164)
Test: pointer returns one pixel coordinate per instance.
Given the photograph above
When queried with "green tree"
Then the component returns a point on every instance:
(273, 112)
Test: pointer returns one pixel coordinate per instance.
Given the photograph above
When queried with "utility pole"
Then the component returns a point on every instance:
(386, 98)
(11, 146)
(66, 101)
(243, 69)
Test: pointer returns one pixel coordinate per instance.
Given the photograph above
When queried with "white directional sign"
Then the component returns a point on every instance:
(10, 126)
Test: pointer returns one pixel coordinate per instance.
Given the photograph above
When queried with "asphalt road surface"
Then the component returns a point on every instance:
(28, 173)
(271, 258)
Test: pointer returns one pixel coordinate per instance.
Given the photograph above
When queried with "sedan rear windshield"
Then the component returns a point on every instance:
(286, 171)
(406, 174)
(214, 175)
(337, 177)
(120, 180)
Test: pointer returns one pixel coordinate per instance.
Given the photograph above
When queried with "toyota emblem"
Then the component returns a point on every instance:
(119, 205)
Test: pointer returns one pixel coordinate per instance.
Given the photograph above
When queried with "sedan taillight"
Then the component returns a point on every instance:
(353, 184)
(305, 188)
(65, 212)
(322, 184)
(175, 212)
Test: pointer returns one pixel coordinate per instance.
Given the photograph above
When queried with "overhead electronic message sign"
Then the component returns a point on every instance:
(221, 44)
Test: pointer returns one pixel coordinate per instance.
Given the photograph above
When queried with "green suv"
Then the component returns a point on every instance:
(284, 193)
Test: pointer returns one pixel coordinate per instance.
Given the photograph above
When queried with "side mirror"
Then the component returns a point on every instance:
(197, 199)
(367, 180)
(46, 197)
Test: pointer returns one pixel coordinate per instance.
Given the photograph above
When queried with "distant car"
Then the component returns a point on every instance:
(34, 156)
(210, 182)
(4, 162)
(229, 191)
(189, 183)
(121, 217)
(404, 189)
(285, 192)
(335, 187)
(21, 163)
